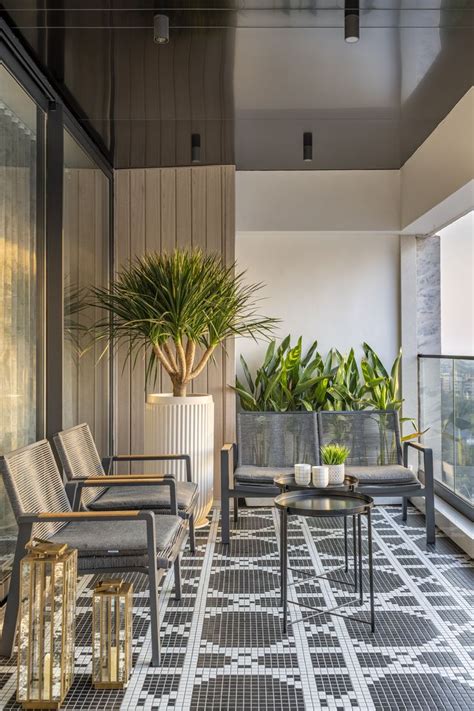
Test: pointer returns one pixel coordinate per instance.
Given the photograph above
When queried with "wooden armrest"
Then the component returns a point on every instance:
(227, 447)
(125, 479)
(71, 515)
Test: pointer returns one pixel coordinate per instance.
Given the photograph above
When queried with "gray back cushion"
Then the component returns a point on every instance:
(274, 439)
(372, 436)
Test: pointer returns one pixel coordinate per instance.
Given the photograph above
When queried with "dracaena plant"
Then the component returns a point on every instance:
(177, 309)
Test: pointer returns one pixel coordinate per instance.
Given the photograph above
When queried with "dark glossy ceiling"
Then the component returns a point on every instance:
(251, 76)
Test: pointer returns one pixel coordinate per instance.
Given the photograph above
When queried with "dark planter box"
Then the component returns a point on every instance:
(277, 439)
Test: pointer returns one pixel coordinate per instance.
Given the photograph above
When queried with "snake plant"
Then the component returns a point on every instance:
(290, 380)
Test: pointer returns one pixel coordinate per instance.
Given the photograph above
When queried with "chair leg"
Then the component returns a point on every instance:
(430, 519)
(153, 584)
(404, 508)
(192, 535)
(11, 612)
(236, 510)
(177, 578)
(225, 513)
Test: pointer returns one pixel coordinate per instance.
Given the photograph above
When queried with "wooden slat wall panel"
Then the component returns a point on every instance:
(86, 263)
(160, 209)
(153, 229)
(122, 369)
(137, 246)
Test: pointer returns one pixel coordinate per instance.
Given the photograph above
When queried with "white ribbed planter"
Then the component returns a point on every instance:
(184, 425)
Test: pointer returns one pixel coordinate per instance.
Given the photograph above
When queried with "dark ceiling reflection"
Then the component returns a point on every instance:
(252, 77)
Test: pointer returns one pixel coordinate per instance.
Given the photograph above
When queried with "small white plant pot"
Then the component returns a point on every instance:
(320, 476)
(303, 474)
(336, 474)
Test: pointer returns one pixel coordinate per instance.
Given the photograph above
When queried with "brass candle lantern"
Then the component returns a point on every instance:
(112, 634)
(46, 631)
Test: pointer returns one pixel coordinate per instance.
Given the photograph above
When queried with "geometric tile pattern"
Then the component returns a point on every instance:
(223, 646)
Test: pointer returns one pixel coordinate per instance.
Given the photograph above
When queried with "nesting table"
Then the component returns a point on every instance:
(329, 502)
(287, 482)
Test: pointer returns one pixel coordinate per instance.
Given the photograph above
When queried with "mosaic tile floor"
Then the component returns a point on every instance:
(224, 648)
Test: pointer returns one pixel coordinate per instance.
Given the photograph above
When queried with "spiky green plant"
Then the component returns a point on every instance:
(177, 309)
(334, 453)
(286, 381)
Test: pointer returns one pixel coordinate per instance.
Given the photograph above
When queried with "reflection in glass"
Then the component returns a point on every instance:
(86, 264)
(18, 282)
(447, 409)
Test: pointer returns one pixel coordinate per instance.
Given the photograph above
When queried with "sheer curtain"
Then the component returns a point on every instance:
(18, 290)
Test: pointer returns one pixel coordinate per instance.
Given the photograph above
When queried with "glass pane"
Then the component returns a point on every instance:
(463, 426)
(447, 410)
(18, 279)
(86, 264)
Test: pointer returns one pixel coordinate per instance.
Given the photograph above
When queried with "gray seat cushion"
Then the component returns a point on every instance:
(124, 539)
(249, 474)
(389, 474)
(145, 497)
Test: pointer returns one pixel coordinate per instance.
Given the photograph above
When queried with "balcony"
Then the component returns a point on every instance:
(322, 148)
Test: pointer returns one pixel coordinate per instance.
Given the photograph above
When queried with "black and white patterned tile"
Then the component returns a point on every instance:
(223, 646)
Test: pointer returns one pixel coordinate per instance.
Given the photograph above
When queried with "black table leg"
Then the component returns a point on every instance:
(354, 543)
(359, 531)
(371, 571)
(284, 564)
(346, 555)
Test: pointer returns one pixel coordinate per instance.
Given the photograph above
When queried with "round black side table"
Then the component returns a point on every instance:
(287, 482)
(326, 504)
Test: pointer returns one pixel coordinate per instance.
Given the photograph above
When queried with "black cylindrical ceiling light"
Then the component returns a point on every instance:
(161, 29)
(307, 147)
(195, 148)
(351, 21)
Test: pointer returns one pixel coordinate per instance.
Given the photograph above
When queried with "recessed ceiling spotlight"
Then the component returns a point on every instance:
(307, 147)
(161, 29)
(351, 21)
(195, 148)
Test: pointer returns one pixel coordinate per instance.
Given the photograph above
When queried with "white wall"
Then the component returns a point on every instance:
(322, 200)
(340, 289)
(457, 287)
(442, 166)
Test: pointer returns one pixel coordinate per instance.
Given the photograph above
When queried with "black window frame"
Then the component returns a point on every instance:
(58, 116)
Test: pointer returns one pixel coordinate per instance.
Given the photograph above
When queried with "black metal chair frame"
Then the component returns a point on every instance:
(106, 466)
(229, 458)
(27, 520)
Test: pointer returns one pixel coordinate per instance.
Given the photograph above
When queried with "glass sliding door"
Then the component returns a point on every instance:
(20, 279)
(86, 264)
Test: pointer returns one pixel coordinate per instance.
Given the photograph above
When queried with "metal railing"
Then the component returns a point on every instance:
(446, 408)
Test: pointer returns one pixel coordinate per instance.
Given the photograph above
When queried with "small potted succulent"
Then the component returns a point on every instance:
(334, 457)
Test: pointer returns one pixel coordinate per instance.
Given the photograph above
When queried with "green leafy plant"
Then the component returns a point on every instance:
(346, 391)
(334, 453)
(176, 309)
(290, 380)
(286, 381)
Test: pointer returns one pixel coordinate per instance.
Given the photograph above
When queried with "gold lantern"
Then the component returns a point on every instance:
(46, 630)
(112, 634)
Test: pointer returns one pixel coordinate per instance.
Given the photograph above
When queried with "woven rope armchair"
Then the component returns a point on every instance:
(80, 459)
(107, 541)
